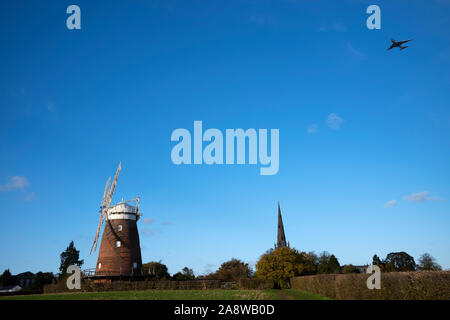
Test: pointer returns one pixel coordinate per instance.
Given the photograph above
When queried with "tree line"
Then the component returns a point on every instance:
(277, 265)
(283, 263)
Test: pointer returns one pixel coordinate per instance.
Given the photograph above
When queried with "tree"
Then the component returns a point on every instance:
(428, 263)
(399, 261)
(333, 264)
(382, 264)
(69, 257)
(185, 274)
(209, 276)
(188, 272)
(157, 269)
(328, 263)
(41, 279)
(284, 263)
(376, 261)
(349, 268)
(6, 278)
(233, 270)
(308, 263)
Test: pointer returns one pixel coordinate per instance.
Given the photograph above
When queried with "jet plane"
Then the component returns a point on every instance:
(396, 44)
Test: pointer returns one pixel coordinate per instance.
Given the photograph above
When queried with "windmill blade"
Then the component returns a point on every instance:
(100, 221)
(113, 186)
(106, 202)
(106, 192)
(97, 234)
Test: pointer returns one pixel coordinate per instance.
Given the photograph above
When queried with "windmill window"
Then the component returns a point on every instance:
(119, 227)
(118, 244)
(134, 265)
(99, 266)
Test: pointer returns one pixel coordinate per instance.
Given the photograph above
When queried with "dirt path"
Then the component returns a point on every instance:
(282, 296)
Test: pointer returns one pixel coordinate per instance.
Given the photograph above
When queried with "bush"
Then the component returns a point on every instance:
(431, 285)
(255, 284)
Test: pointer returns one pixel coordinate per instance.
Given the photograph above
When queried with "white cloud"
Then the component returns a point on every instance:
(391, 203)
(421, 197)
(167, 223)
(15, 183)
(148, 221)
(312, 128)
(334, 121)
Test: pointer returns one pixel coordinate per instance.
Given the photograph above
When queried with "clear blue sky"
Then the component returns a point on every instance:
(75, 103)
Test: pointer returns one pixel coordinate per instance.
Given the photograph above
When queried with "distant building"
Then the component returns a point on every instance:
(10, 289)
(24, 279)
(281, 237)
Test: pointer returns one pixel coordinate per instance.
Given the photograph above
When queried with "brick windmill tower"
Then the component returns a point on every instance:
(120, 251)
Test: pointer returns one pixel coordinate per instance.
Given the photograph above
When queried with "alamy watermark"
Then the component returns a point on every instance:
(74, 281)
(213, 153)
(374, 21)
(374, 281)
(74, 20)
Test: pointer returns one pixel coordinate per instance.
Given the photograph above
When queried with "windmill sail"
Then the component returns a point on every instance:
(106, 202)
(106, 192)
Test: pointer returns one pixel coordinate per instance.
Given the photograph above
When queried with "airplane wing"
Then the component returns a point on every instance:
(402, 42)
(392, 40)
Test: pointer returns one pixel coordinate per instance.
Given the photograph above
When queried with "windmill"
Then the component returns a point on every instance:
(120, 251)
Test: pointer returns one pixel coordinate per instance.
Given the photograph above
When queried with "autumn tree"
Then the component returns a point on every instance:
(284, 263)
(233, 270)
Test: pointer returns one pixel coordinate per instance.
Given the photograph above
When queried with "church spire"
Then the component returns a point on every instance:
(281, 238)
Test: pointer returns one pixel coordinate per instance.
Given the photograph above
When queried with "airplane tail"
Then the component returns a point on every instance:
(401, 48)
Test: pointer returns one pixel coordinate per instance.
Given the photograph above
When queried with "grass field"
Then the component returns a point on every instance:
(288, 294)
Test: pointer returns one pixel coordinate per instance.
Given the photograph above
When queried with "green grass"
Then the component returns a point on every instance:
(289, 294)
(294, 294)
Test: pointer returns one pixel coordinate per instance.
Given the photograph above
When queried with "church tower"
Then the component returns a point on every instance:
(281, 237)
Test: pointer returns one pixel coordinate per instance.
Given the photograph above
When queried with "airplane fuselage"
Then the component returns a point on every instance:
(398, 44)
